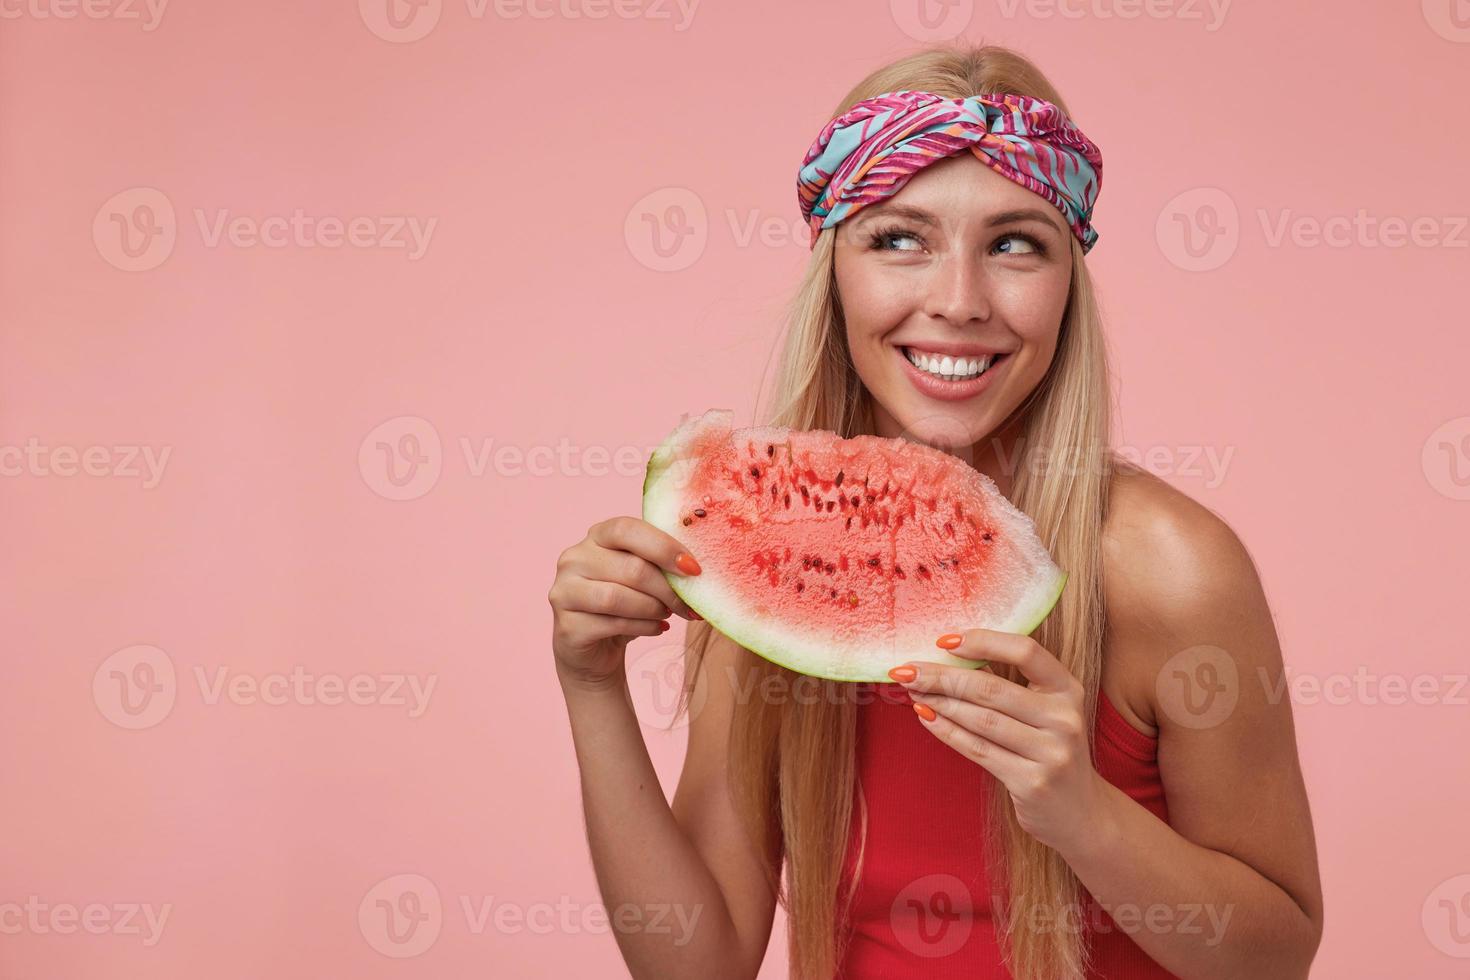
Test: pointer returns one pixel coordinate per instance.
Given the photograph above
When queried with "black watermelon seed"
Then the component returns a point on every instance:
(699, 512)
(770, 450)
(838, 482)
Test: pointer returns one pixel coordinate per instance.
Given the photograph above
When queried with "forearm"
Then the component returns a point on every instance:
(1199, 912)
(663, 904)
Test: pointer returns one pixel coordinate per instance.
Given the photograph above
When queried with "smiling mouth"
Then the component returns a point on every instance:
(947, 368)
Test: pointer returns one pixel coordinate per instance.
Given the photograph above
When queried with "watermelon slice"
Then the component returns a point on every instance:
(842, 558)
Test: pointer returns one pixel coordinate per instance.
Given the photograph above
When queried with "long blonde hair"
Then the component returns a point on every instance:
(776, 743)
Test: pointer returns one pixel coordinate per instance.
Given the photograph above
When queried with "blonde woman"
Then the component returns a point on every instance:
(1054, 815)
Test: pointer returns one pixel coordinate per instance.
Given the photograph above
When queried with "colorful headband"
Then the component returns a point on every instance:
(871, 150)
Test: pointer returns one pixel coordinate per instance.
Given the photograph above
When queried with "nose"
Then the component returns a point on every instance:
(958, 290)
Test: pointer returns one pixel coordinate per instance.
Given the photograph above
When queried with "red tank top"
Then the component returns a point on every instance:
(923, 903)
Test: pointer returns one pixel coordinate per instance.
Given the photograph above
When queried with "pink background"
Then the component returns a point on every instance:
(541, 314)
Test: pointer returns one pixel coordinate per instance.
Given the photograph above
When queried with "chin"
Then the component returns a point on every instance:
(953, 430)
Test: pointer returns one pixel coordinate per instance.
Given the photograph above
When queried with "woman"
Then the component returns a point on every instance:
(1117, 795)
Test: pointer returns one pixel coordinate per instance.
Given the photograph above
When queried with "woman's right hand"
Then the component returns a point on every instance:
(609, 589)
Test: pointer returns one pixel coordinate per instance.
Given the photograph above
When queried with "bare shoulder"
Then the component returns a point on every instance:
(1175, 576)
(1179, 583)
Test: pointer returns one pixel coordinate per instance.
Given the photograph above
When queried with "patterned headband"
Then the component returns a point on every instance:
(870, 151)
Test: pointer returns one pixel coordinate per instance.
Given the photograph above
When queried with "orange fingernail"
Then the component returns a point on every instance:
(686, 564)
(949, 641)
(903, 674)
(924, 711)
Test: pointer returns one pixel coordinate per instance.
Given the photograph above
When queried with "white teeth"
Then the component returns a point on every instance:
(949, 368)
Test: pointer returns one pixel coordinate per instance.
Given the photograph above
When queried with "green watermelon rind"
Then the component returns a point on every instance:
(686, 587)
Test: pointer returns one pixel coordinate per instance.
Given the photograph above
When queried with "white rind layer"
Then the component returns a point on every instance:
(800, 649)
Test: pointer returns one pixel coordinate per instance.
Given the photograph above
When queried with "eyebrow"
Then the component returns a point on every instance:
(920, 216)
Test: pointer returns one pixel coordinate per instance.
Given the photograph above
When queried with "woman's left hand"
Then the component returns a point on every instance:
(1031, 738)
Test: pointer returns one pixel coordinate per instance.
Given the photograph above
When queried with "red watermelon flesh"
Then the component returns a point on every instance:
(842, 558)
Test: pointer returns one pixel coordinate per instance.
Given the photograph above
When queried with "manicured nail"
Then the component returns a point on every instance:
(949, 641)
(903, 674)
(686, 564)
(924, 711)
(663, 625)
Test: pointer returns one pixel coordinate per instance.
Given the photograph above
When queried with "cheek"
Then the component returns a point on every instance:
(872, 303)
(1033, 311)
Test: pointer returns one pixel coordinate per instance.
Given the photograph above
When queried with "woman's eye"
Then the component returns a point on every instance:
(884, 239)
(1028, 244)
